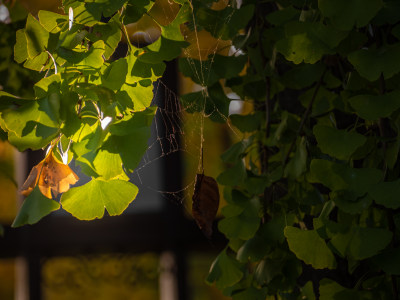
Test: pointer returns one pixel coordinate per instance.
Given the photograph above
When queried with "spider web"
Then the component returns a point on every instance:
(180, 136)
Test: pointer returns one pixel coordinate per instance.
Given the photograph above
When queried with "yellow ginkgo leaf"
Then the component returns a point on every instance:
(50, 175)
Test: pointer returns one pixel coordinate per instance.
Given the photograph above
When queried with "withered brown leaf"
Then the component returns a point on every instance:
(205, 202)
(51, 175)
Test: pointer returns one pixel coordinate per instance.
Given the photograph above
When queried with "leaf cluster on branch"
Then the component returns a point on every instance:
(87, 106)
(313, 207)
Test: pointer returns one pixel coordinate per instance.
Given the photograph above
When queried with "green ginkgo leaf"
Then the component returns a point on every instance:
(340, 144)
(52, 21)
(342, 177)
(44, 111)
(88, 202)
(47, 85)
(371, 107)
(308, 246)
(115, 74)
(225, 271)
(91, 59)
(35, 207)
(361, 242)
(37, 37)
(345, 14)
(130, 137)
(110, 33)
(108, 165)
(387, 194)
(308, 42)
(36, 136)
(21, 47)
(371, 63)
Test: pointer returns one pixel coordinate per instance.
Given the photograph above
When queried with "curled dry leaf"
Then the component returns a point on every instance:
(205, 202)
(51, 175)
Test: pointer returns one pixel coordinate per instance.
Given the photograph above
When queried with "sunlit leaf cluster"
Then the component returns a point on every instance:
(92, 104)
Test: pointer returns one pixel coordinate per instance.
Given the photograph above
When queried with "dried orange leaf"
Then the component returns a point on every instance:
(50, 175)
(30, 182)
(205, 202)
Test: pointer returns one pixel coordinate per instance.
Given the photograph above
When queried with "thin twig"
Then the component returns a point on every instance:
(267, 120)
(304, 118)
(381, 125)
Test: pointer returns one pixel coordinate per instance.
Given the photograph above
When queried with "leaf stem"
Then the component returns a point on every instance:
(394, 287)
(54, 62)
(381, 126)
(125, 33)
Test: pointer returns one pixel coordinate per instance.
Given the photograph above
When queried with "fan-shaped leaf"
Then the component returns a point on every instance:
(88, 202)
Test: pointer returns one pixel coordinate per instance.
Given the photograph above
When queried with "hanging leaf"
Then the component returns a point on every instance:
(225, 271)
(234, 175)
(85, 60)
(37, 136)
(35, 207)
(308, 42)
(342, 177)
(387, 194)
(310, 247)
(338, 143)
(361, 242)
(115, 74)
(234, 152)
(371, 63)
(49, 175)
(331, 290)
(88, 202)
(21, 47)
(205, 202)
(37, 37)
(351, 202)
(389, 261)
(51, 21)
(44, 111)
(372, 107)
(130, 137)
(345, 14)
(242, 219)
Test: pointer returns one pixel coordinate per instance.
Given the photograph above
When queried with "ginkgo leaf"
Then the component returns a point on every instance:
(35, 207)
(37, 37)
(88, 202)
(50, 175)
(205, 202)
